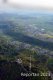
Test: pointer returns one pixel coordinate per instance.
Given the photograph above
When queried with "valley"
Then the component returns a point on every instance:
(22, 36)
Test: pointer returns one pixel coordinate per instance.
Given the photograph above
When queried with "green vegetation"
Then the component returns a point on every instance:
(12, 68)
(18, 38)
(9, 56)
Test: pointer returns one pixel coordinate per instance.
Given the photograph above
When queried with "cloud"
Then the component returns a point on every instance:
(29, 4)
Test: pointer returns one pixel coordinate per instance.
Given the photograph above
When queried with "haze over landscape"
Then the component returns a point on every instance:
(26, 39)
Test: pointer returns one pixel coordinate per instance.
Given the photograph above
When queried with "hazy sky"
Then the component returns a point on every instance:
(27, 4)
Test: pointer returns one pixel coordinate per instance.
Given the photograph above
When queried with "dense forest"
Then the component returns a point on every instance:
(26, 46)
